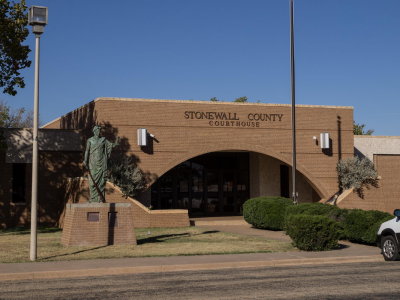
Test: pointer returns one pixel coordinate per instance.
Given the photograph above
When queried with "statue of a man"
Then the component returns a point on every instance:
(97, 153)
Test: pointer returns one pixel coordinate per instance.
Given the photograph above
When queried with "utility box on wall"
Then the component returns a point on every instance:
(142, 137)
(324, 140)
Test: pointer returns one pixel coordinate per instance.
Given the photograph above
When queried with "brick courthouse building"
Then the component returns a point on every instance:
(206, 157)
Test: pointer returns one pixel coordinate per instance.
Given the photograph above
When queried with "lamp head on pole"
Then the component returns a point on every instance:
(38, 18)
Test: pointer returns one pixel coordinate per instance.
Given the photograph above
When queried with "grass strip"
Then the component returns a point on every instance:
(14, 245)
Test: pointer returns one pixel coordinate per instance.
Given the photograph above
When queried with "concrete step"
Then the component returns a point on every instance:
(219, 221)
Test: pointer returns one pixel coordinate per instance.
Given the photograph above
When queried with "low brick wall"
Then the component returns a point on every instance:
(142, 216)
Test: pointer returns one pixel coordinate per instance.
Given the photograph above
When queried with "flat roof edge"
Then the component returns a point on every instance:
(216, 102)
(205, 102)
(365, 136)
(50, 122)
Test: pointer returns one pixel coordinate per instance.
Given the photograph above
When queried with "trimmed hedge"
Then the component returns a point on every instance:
(313, 233)
(361, 226)
(317, 209)
(266, 212)
(275, 213)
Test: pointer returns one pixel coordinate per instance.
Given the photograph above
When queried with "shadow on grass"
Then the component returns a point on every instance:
(23, 230)
(268, 229)
(341, 246)
(72, 253)
(164, 237)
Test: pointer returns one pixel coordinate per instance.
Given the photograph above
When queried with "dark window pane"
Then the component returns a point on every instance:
(212, 181)
(284, 181)
(19, 183)
(209, 184)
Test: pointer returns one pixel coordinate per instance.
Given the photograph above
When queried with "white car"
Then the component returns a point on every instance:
(389, 237)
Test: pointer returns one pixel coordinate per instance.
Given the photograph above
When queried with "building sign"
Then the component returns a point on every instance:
(229, 119)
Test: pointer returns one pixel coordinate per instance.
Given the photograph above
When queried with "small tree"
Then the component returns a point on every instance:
(4, 115)
(358, 129)
(18, 118)
(125, 174)
(241, 99)
(214, 99)
(13, 55)
(13, 119)
(356, 173)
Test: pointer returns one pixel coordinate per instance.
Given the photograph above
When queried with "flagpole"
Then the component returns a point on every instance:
(293, 94)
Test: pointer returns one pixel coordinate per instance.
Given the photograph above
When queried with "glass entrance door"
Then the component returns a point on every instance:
(208, 185)
(229, 191)
(212, 193)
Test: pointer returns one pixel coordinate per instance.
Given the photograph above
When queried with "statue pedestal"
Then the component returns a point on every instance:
(98, 224)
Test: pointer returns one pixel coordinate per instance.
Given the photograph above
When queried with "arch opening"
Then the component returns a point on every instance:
(218, 183)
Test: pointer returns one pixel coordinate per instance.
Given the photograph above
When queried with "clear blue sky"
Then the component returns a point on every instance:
(347, 53)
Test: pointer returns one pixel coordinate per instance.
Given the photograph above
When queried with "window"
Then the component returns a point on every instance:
(284, 181)
(19, 183)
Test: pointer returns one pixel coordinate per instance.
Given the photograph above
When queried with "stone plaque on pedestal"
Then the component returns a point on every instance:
(98, 224)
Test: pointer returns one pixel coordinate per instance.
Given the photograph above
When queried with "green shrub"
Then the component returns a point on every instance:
(313, 233)
(361, 226)
(275, 213)
(266, 212)
(317, 209)
(125, 174)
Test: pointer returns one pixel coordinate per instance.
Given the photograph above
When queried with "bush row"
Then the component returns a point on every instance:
(266, 212)
(314, 226)
(361, 226)
(313, 233)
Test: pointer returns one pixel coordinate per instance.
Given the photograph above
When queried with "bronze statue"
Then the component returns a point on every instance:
(97, 153)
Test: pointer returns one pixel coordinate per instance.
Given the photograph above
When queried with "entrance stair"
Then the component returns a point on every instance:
(219, 221)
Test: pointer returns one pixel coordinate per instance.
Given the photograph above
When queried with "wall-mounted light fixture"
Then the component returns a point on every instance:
(324, 140)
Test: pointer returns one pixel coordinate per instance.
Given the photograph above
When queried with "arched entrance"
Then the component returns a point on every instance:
(211, 184)
(218, 183)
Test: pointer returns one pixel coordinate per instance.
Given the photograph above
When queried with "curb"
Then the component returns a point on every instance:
(220, 223)
(185, 267)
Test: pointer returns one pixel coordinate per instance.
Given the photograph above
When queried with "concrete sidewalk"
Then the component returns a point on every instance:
(348, 253)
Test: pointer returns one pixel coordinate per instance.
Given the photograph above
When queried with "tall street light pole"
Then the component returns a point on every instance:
(293, 93)
(38, 19)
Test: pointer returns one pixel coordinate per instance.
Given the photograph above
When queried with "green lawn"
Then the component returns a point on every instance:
(14, 245)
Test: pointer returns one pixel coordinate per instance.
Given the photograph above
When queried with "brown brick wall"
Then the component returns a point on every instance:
(54, 169)
(387, 196)
(179, 139)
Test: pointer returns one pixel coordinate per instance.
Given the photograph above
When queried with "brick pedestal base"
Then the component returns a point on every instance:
(97, 224)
